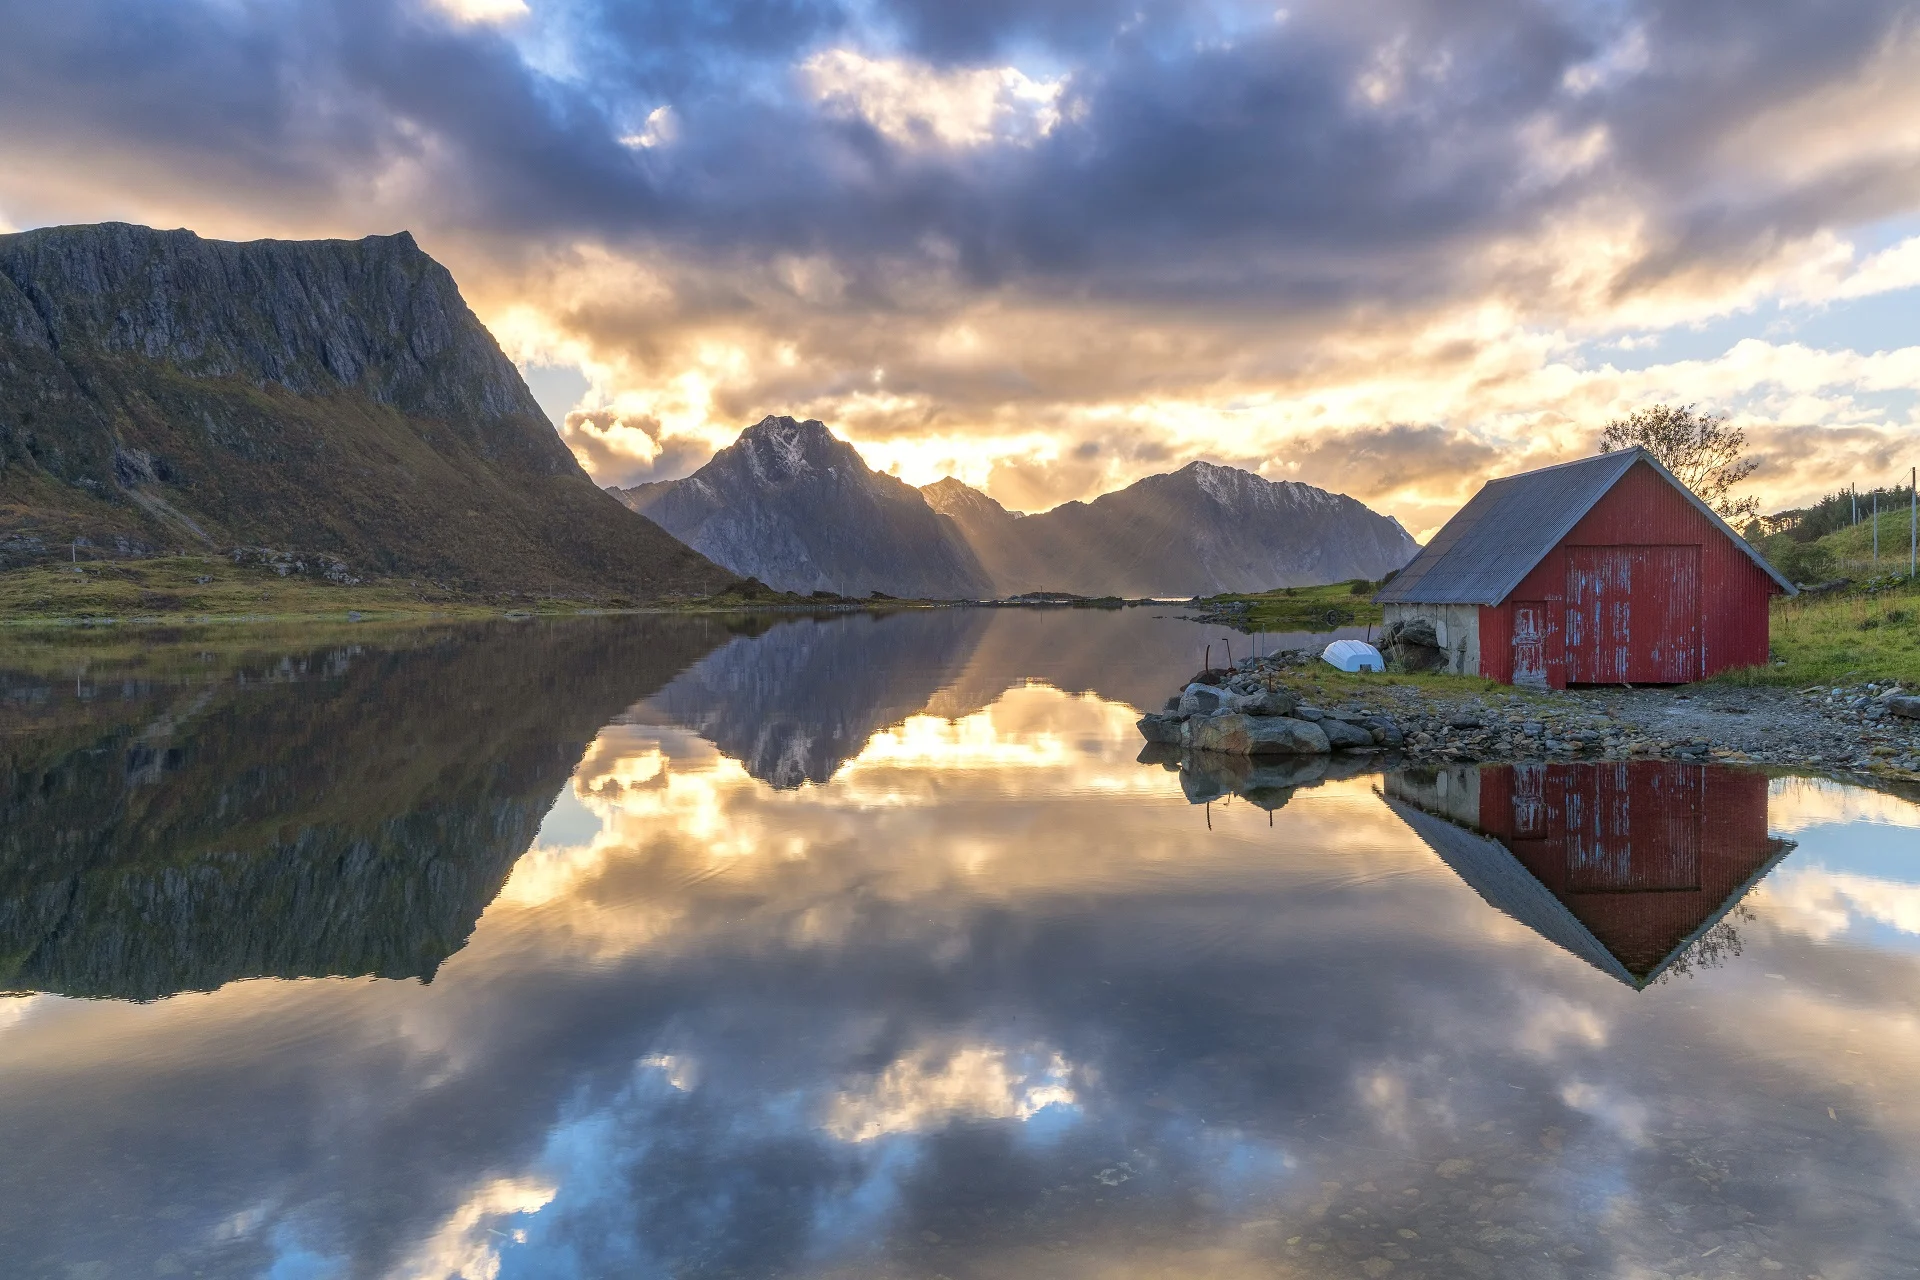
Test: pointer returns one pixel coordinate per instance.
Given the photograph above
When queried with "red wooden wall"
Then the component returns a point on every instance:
(1642, 511)
(1642, 852)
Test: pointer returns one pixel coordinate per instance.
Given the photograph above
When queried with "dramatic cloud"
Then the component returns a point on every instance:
(1053, 246)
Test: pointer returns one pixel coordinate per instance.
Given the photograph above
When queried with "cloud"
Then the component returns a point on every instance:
(987, 238)
(915, 105)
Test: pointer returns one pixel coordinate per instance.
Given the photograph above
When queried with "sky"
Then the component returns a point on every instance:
(1392, 247)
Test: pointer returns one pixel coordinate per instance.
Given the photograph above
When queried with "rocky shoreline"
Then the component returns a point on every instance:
(1280, 705)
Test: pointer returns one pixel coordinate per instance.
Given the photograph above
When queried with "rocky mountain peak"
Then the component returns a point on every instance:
(783, 448)
(953, 497)
(336, 397)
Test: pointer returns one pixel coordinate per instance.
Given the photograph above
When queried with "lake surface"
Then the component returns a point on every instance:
(862, 948)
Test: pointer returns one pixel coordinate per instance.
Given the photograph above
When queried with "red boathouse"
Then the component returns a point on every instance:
(1603, 571)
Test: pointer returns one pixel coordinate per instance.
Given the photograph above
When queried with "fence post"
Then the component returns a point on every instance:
(1876, 529)
(1913, 520)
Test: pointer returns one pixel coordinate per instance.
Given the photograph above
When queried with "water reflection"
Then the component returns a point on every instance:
(988, 999)
(1632, 866)
(344, 810)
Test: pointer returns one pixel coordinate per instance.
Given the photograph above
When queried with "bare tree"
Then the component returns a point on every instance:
(1701, 450)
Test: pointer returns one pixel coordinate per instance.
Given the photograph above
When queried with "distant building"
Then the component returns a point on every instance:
(1629, 866)
(1603, 571)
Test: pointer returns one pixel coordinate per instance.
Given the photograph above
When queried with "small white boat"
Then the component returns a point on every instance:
(1353, 655)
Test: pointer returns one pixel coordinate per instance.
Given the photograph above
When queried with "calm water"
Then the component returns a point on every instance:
(658, 948)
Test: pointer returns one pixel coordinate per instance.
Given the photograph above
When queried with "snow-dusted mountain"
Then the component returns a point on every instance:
(791, 504)
(1201, 530)
(795, 506)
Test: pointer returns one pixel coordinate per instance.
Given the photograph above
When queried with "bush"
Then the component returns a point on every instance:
(1800, 562)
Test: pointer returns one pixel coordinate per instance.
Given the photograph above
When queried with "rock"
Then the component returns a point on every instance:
(1413, 631)
(1268, 702)
(1343, 736)
(1236, 734)
(1385, 732)
(1304, 711)
(1159, 728)
(1202, 700)
(1904, 705)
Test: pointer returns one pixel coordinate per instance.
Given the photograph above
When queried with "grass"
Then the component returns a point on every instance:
(1339, 604)
(202, 591)
(1861, 633)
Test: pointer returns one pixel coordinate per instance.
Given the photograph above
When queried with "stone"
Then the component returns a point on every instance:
(1268, 702)
(1343, 736)
(1385, 732)
(1159, 728)
(1201, 700)
(1306, 711)
(1236, 734)
(1904, 705)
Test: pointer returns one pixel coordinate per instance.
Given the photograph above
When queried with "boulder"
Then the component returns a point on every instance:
(1902, 704)
(1412, 644)
(1385, 732)
(1202, 700)
(1303, 711)
(1241, 735)
(1268, 702)
(1343, 736)
(1157, 727)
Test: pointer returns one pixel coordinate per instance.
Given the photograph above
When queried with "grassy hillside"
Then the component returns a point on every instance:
(160, 392)
(1340, 604)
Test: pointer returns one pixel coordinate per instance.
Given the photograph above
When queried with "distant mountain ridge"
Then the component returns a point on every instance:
(1201, 530)
(161, 391)
(797, 507)
(793, 505)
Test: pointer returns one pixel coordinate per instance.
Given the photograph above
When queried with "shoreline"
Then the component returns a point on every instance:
(1839, 729)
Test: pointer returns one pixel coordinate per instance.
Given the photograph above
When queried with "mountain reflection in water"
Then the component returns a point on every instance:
(935, 979)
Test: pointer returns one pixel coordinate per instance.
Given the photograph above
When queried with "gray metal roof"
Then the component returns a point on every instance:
(1494, 541)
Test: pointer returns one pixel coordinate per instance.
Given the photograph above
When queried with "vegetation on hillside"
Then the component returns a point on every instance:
(1868, 632)
(1339, 604)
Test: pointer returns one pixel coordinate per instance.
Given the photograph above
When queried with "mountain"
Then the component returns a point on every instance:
(161, 391)
(1203, 529)
(796, 507)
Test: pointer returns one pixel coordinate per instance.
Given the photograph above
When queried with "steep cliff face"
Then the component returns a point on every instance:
(794, 506)
(159, 391)
(1200, 530)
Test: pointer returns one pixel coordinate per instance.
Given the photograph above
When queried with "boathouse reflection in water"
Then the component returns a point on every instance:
(1628, 865)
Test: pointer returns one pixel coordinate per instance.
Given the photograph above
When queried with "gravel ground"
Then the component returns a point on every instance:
(1830, 729)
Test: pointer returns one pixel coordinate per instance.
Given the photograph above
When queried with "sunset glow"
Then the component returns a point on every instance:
(1054, 248)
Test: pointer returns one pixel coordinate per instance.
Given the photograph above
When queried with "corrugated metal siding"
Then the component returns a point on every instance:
(1632, 614)
(1643, 510)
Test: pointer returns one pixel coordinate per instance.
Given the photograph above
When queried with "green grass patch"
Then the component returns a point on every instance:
(1844, 636)
(1339, 604)
(197, 592)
